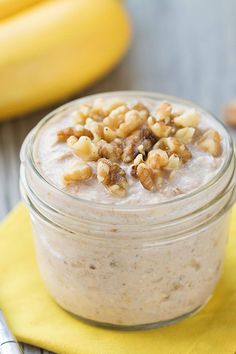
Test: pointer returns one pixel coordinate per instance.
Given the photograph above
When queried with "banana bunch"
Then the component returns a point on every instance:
(51, 49)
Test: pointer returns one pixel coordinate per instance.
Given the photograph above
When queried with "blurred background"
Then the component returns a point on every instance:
(178, 47)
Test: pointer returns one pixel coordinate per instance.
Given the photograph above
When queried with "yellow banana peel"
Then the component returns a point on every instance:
(56, 48)
(11, 7)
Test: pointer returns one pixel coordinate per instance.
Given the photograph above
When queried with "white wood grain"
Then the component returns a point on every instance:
(180, 47)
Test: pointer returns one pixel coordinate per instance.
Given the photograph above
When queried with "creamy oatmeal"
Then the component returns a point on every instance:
(162, 149)
(129, 198)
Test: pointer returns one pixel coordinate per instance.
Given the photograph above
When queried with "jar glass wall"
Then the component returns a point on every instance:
(129, 266)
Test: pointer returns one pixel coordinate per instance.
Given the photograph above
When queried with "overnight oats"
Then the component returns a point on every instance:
(129, 195)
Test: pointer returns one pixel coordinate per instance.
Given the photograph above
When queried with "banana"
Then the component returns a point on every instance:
(11, 7)
(57, 48)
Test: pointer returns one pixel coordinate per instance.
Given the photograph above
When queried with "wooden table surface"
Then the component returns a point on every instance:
(180, 47)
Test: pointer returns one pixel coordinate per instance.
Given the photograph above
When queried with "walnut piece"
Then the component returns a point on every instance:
(87, 111)
(174, 163)
(210, 142)
(77, 131)
(133, 121)
(112, 176)
(189, 118)
(157, 159)
(109, 134)
(98, 110)
(176, 112)
(111, 151)
(130, 144)
(99, 131)
(142, 109)
(163, 113)
(173, 145)
(104, 106)
(230, 114)
(140, 141)
(116, 117)
(160, 129)
(96, 128)
(64, 134)
(146, 141)
(185, 135)
(84, 148)
(138, 159)
(146, 176)
(80, 171)
(82, 114)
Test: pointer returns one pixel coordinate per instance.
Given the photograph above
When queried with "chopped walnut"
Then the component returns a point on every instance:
(176, 112)
(146, 176)
(130, 144)
(99, 131)
(146, 142)
(77, 131)
(64, 134)
(189, 118)
(116, 117)
(111, 151)
(157, 158)
(163, 113)
(133, 121)
(109, 134)
(87, 111)
(173, 145)
(179, 148)
(174, 162)
(230, 113)
(197, 135)
(82, 114)
(128, 153)
(104, 106)
(138, 159)
(164, 110)
(112, 176)
(96, 128)
(160, 129)
(142, 109)
(140, 141)
(210, 142)
(185, 135)
(84, 148)
(80, 171)
(153, 143)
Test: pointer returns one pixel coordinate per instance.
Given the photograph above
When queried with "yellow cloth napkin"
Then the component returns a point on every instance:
(37, 320)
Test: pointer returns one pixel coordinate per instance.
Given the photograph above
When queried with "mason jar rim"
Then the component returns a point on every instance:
(29, 144)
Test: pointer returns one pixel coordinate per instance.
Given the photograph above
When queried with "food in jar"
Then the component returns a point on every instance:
(140, 151)
(129, 200)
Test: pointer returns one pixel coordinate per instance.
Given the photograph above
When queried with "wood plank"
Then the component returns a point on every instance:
(32, 350)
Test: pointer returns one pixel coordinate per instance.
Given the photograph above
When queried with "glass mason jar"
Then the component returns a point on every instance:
(124, 266)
